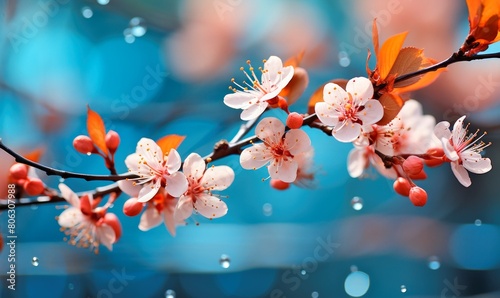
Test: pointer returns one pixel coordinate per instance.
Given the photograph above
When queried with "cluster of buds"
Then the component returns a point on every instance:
(21, 175)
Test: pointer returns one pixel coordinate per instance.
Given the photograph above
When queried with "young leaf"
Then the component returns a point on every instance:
(389, 53)
(392, 104)
(170, 142)
(96, 130)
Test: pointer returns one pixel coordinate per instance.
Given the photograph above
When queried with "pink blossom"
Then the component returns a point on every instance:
(155, 170)
(254, 96)
(350, 110)
(86, 227)
(202, 182)
(278, 151)
(463, 150)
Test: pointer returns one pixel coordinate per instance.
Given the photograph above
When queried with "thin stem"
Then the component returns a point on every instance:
(244, 129)
(63, 174)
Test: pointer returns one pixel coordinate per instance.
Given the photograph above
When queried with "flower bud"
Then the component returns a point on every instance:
(418, 196)
(402, 186)
(437, 155)
(33, 186)
(84, 144)
(112, 141)
(85, 205)
(279, 185)
(413, 165)
(19, 171)
(296, 86)
(112, 220)
(294, 120)
(132, 207)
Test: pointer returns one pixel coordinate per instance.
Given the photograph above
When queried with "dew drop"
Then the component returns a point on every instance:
(34, 261)
(137, 26)
(103, 2)
(357, 203)
(71, 286)
(224, 261)
(170, 294)
(303, 272)
(403, 289)
(87, 12)
(314, 294)
(434, 263)
(357, 284)
(478, 222)
(89, 153)
(344, 59)
(267, 209)
(61, 180)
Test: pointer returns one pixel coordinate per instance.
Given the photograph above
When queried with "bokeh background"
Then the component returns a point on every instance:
(342, 238)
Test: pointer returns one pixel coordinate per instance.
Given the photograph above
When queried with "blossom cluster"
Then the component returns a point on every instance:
(388, 132)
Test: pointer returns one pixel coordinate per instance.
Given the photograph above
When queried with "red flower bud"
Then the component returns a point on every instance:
(294, 120)
(132, 207)
(437, 160)
(112, 141)
(413, 165)
(84, 144)
(34, 186)
(19, 171)
(418, 196)
(279, 185)
(402, 186)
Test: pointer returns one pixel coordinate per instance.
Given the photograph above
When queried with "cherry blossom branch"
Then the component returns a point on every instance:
(63, 174)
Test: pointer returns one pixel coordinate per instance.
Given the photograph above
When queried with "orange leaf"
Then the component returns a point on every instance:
(96, 130)
(170, 142)
(392, 104)
(317, 96)
(297, 85)
(375, 38)
(295, 60)
(424, 80)
(409, 60)
(34, 155)
(389, 53)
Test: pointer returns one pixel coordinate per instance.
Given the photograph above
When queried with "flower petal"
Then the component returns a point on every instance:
(132, 162)
(194, 166)
(217, 178)
(270, 130)
(173, 161)
(150, 151)
(168, 215)
(210, 206)
(326, 113)
(373, 112)
(254, 111)
(475, 163)
(357, 162)
(150, 218)
(148, 191)
(442, 130)
(106, 236)
(347, 133)
(449, 150)
(458, 133)
(334, 94)
(184, 208)
(128, 187)
(177, 184)
(361, 89)
(70, 196)
(241, 100)
(70, 217)
(297, 141)
(461, 174)
(284, 170)
(255, 157)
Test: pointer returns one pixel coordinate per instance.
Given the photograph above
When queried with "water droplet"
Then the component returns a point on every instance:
(34, 261)
(71, 286)
(61, 180)
(170, 294)
(129, 37)
(267, 209)
(354, 268)
(344, 59)
(314, 294)
(403, 289)
(103, 2)
(303, 272)
(87, 12)
(478, 222)
(34, 207)
(224, 261)
(89, 153)
(434, 263)
(357, 284)
(357, 203)
(137, 27)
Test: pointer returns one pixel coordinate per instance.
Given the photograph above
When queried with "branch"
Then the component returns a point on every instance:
(63, 174)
